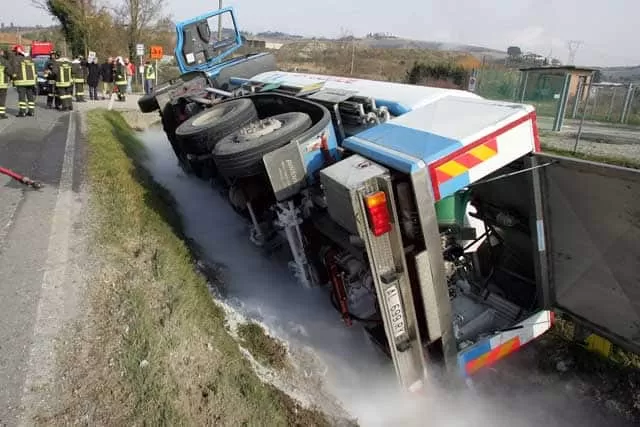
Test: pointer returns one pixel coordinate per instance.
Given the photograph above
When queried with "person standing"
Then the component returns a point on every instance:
(131, 70)
(23, 74)
(121, 78)
(149, 77)
(77, 69)
(64, 87)
(106, 73)
(4, 85)
(93, 78)
(50, 75)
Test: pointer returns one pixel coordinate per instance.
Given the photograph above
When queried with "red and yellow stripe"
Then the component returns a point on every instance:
(492, 356)
(466, 160)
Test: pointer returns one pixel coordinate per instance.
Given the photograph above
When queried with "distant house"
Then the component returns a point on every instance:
(8, 40)
(544, 83)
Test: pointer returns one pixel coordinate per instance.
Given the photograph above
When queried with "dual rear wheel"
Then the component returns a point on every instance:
(233, 139)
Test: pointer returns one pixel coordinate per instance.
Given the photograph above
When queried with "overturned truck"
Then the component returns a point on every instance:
(417, 208)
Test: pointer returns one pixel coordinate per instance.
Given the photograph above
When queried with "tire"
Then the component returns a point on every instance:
(200, 133)
(239, 159)
(148, 103)
(169, 125)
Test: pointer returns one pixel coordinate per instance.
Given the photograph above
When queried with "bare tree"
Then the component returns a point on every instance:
(136, 17)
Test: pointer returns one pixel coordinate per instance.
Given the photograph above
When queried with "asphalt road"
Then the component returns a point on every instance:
(34, 239)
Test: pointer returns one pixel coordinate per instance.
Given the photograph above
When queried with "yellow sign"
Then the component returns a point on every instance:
(156, 52)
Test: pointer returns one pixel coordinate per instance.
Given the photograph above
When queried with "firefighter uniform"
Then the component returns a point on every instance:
(24, 79)
(50, 75)
(4, 85)
(64, 88)
(121, 79)
(77, 71)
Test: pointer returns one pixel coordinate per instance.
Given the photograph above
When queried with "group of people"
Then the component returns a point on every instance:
(64, 79)
(115, 72)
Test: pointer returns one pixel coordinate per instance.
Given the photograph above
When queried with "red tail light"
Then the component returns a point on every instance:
(379, 219)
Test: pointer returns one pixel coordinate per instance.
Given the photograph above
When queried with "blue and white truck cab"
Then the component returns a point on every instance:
(417, 208)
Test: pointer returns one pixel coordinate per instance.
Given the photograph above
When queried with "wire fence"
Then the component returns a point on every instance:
(603, 102)
(609, 103)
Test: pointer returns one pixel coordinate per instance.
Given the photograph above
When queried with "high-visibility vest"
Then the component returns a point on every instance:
(78, 73)
(121, 79)
(4, 83)
(150, 73)
(63, 77)
(26, 74)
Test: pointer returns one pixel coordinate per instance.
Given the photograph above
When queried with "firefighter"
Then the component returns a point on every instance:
(23, 74)
(64, 88)
(77, 70)
(121, 78)
(4, 84)
(149, 77)
(50, 75)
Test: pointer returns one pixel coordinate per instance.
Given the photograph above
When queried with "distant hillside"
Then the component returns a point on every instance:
(621, 74)
(390, 42)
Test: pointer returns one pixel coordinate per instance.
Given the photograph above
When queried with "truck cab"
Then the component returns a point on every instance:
(414, 207)
(40, 53)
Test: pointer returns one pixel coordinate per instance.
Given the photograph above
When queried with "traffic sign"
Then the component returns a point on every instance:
(156, 52)
(140, 49)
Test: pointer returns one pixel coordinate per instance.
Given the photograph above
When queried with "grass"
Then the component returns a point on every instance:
(264, 348)
(154, 350)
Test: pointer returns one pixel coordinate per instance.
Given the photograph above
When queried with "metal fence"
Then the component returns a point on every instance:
(602, 102)
(542, 90)
(605, 102)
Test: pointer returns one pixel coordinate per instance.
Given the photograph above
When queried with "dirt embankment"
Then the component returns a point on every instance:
(153, 347)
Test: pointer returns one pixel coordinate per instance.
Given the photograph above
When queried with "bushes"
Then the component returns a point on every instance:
(422, 73)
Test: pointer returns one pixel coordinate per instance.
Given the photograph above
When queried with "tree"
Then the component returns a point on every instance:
(73, 16)
(597, 76)
(514, 51)
(137, 18)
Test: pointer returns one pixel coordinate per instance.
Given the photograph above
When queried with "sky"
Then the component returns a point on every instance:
(607, 30)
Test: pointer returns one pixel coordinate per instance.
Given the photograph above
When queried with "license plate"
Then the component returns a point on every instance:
(398, 324)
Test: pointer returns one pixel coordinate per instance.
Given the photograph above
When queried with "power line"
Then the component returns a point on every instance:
(573, 46)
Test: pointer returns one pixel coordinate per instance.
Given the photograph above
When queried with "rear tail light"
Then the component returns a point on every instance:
(378, 213)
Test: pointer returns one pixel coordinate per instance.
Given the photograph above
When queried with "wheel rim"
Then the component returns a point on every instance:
(213, 113)
(258, 129)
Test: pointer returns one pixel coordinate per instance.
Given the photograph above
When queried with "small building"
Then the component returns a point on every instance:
(545, 83)
(8, 40)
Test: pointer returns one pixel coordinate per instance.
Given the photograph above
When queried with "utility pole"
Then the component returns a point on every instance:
(353, 53)
(219, 21)
(573, 46)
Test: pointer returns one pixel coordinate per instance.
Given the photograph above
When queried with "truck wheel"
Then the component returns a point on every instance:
(240, 154)
(148, 103)
(200, 133)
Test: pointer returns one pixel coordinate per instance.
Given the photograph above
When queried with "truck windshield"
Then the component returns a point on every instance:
(209, 39)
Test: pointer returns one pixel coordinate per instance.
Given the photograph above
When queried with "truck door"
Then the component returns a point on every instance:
(588, 221)
(360, 199)
(204, 41)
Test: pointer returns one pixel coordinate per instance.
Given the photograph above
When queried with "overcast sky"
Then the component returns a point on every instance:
(608, 29)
